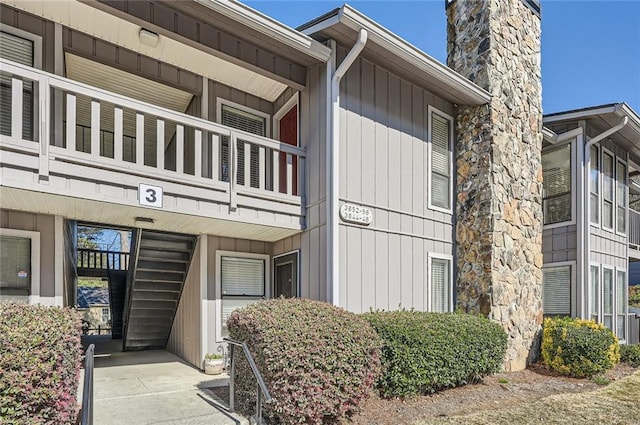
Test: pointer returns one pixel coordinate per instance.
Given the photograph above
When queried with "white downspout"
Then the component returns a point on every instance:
(333, 163)
(586, 221)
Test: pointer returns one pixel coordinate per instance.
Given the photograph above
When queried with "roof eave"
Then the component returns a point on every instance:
(269, 27)
(468, 92)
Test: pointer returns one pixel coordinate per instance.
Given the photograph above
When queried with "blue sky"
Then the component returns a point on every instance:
(590, 49)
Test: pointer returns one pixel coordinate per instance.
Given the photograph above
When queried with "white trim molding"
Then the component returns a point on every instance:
(428, 300)
(277, 116)
(430, 111)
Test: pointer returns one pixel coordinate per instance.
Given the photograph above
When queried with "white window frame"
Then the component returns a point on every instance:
(604, 267)
(289, 104)
(598, 170)
(430, 111)
(604, 151)
(218, 295)
(221, 101)
(573, 158)
(34, 291)
(449, 258)
(590, 295)
(624, 162)
(625, 302)
(572, 280)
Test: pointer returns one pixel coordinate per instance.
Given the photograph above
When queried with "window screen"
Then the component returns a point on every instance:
(18, 50)
(594, 187)
(621, 197)
(250, 123)
(607, 298)
(607, 190)
(556, 170)
(556, 290)
(440, 285)
(594, 292)
(440, 161)
(15, 262)
(621, 304)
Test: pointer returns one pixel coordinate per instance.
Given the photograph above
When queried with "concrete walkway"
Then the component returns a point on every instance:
(154, 387)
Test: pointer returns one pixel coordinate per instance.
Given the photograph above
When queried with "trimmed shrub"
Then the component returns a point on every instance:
(318, 361)
(578, 348)
(426, 352)
(630, 354)
(40, 357)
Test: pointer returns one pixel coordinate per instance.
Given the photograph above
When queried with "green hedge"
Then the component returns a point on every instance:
(40, 358)
(578, 347)
(630, 354)
(318, 361)
(427, 352)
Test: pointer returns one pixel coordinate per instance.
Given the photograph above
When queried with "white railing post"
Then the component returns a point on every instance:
(179, 149)
(276, 170)
(44, 91)
(71, 122)
(289, 174)
(16, 108)
(261, 167)
(233, 140)
(160, 145)
(95, 127)
(247, 164)
(118, 119)
(197, 160)
(139, 139)
(214, 156)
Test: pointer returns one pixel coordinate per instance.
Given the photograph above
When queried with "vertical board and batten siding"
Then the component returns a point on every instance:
(45, 225)
(70, 272)
(184, 339)
(384, 166)
(34, 25)
(560, 244)
(222, 91)
(215, 243)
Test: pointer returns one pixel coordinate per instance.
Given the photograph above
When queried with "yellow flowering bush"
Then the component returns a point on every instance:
(578, 347)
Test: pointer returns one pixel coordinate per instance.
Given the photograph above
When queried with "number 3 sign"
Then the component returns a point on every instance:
(150, 196)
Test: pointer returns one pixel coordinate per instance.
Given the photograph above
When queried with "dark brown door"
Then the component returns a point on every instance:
(285, 279)
(289, 135)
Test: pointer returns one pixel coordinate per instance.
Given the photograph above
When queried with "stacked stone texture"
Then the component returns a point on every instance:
(496, 44)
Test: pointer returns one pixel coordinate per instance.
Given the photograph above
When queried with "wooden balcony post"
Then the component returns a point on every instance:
(44, 93)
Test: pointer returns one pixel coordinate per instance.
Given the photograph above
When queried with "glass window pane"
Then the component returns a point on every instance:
(594, 210)
(440, 161)
(621, 304)
(440, 285)
(242, 276)
(556, 290)
(595, 176)
(15, 262)
(594, 292)
(607, 182)
(556, 170)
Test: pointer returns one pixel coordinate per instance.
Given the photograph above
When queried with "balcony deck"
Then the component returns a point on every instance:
(88, 151)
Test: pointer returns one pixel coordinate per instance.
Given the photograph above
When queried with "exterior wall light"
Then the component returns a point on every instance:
(148, 38)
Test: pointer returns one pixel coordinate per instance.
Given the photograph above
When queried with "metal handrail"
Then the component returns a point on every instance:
(131, 273)
(262, 388)
(86, 417)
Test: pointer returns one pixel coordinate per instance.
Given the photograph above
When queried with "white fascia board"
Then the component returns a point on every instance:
(549, 135)
(270, 27)
(474, 94)
(577, 115)
(634, 119)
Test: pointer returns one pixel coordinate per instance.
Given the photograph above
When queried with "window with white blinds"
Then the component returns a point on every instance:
(440, 190)
(621, 197)
(621, 305)
(556, 198)
(242, 282)
(607, 298)
(594, 292)
(15, 266)
(440, 285)
(556, 290)
(594, 185)
(251, 123)
(607, 190)
(20, 50)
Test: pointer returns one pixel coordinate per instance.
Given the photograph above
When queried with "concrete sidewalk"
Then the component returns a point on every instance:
(154, 387)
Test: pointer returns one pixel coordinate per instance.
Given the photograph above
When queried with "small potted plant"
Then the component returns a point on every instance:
(213, 364)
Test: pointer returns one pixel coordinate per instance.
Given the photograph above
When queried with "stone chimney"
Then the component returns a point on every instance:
(496, 44)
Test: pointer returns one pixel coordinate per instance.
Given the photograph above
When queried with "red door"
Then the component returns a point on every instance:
(289, 135)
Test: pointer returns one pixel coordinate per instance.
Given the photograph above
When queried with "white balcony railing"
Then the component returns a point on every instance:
(89, 126)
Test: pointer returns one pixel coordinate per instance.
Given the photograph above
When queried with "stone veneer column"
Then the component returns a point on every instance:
(496, 44)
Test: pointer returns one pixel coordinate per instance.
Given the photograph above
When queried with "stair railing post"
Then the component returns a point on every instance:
(232, 378)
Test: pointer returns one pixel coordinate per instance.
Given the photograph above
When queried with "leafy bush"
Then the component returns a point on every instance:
(630, 354)
(318, 361)
(40, 357)
(427, 352)
(578, 347)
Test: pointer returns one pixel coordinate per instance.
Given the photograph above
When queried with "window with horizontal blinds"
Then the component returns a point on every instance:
(607, 298)
(19, 50)
(621, 304)
(594, 186)
(594, 293)
(556, 171)
(440, 161)
(15, 265)
(621, 197)
(242, 276)
(556, 290)
(440, 291)
(607, 190)
(251, 123)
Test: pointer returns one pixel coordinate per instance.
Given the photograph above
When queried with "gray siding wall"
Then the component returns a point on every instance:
(184, 340)
(45, 224)
(70, 273)
(559, 244)
(384, 166)
(219, 90)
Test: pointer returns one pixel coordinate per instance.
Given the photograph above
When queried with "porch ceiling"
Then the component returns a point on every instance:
(124, 216)
(100, 24)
